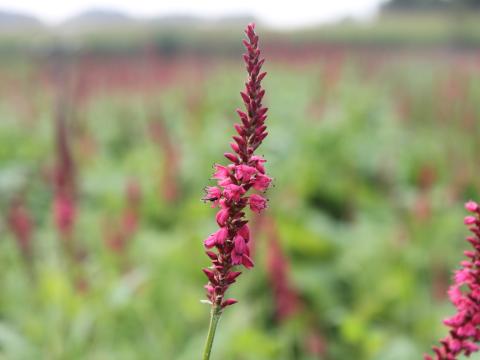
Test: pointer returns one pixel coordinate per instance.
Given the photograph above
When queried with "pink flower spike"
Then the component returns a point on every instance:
(471, 206)
(257, 203)
(244, 172)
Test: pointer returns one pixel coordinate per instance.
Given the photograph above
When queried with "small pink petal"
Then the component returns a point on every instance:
(469, 220)
(471, 206)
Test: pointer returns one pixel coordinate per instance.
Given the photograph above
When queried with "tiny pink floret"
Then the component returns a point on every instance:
(471, 206)
(469, 220)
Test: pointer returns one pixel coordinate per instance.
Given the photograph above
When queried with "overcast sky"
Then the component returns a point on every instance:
(275, 13)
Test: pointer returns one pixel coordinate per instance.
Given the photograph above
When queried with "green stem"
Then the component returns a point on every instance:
(214, 317)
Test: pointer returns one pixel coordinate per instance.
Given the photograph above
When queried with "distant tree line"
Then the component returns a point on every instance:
(430, 5)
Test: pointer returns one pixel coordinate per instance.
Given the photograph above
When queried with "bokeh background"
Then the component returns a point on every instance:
(113, 119)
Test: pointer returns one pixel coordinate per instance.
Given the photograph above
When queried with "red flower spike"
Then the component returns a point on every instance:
(245, 173)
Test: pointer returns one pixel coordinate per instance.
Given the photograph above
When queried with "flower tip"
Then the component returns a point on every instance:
(250, 29)
(471, 206)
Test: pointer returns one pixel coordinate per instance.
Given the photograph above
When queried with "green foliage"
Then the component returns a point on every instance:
(370, 177)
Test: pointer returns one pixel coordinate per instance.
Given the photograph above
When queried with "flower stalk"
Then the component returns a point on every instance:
(212, 328)
(228, 247)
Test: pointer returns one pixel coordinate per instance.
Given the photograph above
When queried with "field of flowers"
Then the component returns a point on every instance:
(103, 161)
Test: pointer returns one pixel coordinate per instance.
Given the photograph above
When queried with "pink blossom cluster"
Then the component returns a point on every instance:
(465, 295)
(245, 172)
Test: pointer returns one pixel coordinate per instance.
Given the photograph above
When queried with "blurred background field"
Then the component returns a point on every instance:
(374, 146)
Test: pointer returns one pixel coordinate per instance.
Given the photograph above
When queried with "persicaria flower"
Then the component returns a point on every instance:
(471, 206)
(464, 325)
(213, 194)
(258, 161)
(245, 173)
(257, 203)
(233, 192)
(217, 238)
(262, 182)
(223, 175)
(222, 217)
(239, 249)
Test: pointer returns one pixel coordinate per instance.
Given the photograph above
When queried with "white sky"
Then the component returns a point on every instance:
(275, 13)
